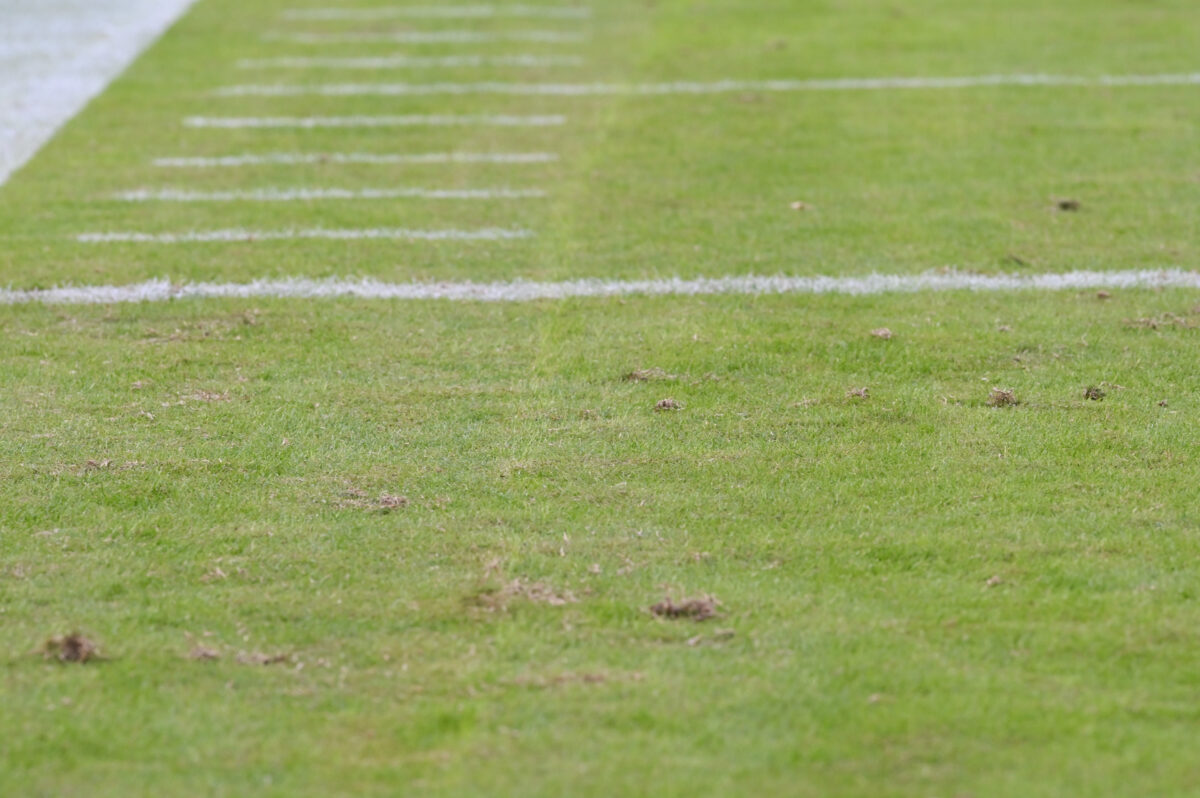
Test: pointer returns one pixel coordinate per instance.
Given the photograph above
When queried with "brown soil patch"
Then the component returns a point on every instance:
(667, 404)
(204, 653)
(494, 599)
(1094, 393)
(858, 393)
(648, 375)
(1002, 397)
(1068, 205)
(696, 609)
(71, 648)
(882, 332)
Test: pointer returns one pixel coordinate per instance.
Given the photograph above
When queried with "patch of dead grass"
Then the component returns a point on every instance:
(648, 375)
(667, 404)
(1002, 397)
(497, 599)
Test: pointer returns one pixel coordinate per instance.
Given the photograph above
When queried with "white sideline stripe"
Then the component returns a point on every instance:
(522, 291)
(304, 194)
(209, 236)
(411, 62)
(428, 37)
(289, 159)
(371, 121)
(56, 55)
(439, 12)
(717, 87)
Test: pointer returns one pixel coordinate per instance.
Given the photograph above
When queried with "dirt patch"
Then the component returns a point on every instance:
(389, 502)
(1002, 397)
(71, 648)
(859, 393)
(800, 206)
(1068, 205)
(361, 500)
(1094, 392)
(882, 332)
(695, 609)
(649, 375)
(1103, 295)
(259, 658)
(498, 599)
(203, 653)
(663, 405)
(1164, 320)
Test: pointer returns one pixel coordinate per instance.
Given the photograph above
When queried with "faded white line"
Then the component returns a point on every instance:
(214, 236)
(309, 194)
(411, 62)
(439, 12)
(685, 87)
(443, 120)
(55, 55)
(524, 291)
(291, 159)
(429, 37)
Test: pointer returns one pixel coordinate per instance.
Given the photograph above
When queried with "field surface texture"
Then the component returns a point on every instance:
(675, 398)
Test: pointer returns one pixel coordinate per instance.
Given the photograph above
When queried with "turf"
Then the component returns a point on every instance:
(920, 594)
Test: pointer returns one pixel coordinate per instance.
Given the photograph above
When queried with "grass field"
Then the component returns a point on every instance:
(364, 547)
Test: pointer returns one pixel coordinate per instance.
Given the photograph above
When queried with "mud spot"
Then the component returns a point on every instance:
(695, 609)
(71, 648)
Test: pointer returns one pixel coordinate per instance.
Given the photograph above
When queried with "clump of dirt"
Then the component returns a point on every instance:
(667, 404)
(1103, 295)
(696, 609)
(859, 393)
(1002, 397)
(648, 375)
(1068, 205)
(1094, 392)
(882, 332)
(71, 648)
(259, 658)
(494, 599)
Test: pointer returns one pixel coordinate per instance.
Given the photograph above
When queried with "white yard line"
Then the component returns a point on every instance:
(55, 55)
(428, 37)
(411, 62)
(292, 159)
(444, 120)
(521, 291)
(309, 194)
(215, 236)
(439, 12)
(686, 87)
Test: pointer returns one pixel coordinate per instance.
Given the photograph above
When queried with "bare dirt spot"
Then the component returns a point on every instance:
(1068, 205)
(696, 609)
(994, 581)
(859, 393)
(1094, 393)
(1002, 397)
(667, 404)
(259, 658)
(800, 206)
(71, 648)
(498, 599)
(1166, 320)
(648, 375)
(203, 653)
(882, 332)
(389, 502)
(1162, 403)
(1103, 295)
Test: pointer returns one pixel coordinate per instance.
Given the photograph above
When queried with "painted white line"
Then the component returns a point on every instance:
(55, 55)
(371, 121)
(717, 87)
(439, 12)
(309, 194)
(429, 37)
(211, 236)
(521, 291)
(291, 159)
(411, 62)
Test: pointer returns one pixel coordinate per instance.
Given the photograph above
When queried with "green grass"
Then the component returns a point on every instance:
(921, 594)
